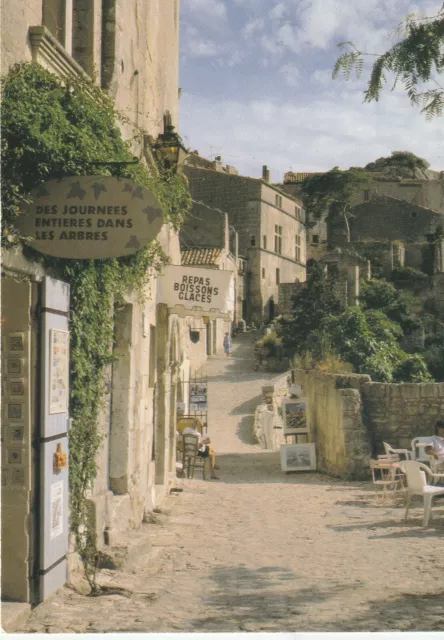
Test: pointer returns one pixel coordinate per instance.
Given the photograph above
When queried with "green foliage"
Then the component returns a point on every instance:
(333, 189)
(53, 128)
(370, 343)
(409, 278)
(380, 294)
(398, 161)
(434, 358)
(413, 60)
(311, 306)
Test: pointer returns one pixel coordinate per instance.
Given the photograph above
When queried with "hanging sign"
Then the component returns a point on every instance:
(197, 287)
(90, 217)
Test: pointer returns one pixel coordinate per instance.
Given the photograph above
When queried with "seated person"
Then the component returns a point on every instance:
(436, 446)
(205, 449)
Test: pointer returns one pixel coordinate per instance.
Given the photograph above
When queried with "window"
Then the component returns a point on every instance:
(298, 248)
(252, 241)
(263, 273)
(278, 276)
(366, 194)
(277, 239)
(297, 213)
(264, 242)
(315, 239)
(278, 201)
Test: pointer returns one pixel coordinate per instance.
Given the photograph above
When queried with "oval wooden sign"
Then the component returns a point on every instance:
(90, 217)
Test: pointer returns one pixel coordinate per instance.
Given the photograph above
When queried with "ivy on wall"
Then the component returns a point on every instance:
(54, 128)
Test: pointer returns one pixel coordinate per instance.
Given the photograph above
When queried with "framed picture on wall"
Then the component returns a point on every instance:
(298, 457)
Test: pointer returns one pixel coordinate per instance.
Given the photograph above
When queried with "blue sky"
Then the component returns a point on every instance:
(257, 87)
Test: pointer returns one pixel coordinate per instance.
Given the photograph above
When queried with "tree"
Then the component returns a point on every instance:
(311, 307)
(414, 60)
(332, 192)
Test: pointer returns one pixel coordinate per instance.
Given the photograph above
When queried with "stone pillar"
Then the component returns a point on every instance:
(122, 412)
(352, 286)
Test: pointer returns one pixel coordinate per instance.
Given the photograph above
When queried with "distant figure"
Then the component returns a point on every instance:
(436, 447)
(228, 345)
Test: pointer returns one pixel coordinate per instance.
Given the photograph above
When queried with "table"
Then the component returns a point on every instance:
(390, 474)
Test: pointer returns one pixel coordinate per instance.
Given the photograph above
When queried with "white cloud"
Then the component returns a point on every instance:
(278, 11)
(291, 74)
(213, 8)
(194, 46)
(316, 134)
(252, 27)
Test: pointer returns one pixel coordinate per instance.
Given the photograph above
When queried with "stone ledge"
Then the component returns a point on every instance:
(47, 51)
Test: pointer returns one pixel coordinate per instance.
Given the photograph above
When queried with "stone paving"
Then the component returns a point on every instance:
(260, 550)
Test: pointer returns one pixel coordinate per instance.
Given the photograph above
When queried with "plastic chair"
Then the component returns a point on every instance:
(400, 452)
(416, 475)
(419, 454)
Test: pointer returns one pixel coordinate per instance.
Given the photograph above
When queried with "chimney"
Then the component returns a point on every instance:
(265, 173)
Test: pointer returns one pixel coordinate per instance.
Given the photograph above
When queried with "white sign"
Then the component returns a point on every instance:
(90, 217)
(197, 287)
(56, 509)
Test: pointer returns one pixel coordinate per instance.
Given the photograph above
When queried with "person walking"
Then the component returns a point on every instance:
(228, 345)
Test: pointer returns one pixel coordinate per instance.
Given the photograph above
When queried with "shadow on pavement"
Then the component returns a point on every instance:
(258, 597)
(263, 467)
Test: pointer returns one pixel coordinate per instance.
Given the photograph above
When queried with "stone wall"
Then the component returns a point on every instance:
(335, 417)
(397, 413)
(205, 227)
(351, 418)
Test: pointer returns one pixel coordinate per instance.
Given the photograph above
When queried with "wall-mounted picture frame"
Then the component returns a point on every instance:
(298, 457)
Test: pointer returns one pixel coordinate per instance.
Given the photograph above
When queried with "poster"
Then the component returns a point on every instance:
(56, 509)
(198, 397)
(59, 371)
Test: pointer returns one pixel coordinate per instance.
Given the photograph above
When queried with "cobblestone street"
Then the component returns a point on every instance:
(260, 550)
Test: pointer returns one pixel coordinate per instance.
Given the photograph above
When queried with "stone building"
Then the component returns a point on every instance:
(316, 233)
(270, 227)
(406, 234)
(131, 49)
(207, 240)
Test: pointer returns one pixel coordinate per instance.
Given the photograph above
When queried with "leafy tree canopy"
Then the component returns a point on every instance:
(399, 160)
(332, 190)
(416, 59)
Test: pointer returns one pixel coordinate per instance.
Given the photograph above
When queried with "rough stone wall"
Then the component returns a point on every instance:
(335, 416)
(205, 227)
(391, 219)
(397, 413)
(426, 193)
(15, 45)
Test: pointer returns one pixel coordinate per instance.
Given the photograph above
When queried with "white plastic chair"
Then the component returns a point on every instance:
(390, 451)
(419, 453)
(416, 475)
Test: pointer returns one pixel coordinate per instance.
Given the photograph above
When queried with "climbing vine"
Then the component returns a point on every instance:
(53, 128)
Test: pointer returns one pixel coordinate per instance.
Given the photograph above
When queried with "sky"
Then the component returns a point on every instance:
(257, 87)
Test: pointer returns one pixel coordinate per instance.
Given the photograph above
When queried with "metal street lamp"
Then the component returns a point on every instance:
(169, 149)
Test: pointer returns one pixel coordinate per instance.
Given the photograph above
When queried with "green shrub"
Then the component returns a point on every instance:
(409, 278)
(434, 358)
(412, 369)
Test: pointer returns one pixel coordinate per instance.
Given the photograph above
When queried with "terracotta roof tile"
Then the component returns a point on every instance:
(201, 256)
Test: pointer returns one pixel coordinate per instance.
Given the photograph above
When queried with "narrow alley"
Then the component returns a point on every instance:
(260, 550)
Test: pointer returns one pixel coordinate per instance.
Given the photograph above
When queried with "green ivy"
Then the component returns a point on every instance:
(53, 128)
